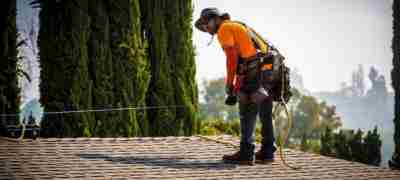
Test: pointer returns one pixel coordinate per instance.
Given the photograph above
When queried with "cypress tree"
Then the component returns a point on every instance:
(356, 146)
(130, 66)
(9, 90)
(65, 83)
(167, 26)
(341, 145)
(395, 162)
(181, 55)
(372, 148)
(327, 143)
(161, 89)
(92, 57)
(100, 67)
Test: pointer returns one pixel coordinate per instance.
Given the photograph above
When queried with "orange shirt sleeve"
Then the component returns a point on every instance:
(231, 64)
(226, 39)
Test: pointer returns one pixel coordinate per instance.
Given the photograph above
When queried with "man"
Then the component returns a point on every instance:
(242, 82)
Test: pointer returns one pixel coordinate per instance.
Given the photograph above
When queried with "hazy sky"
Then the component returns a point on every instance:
(324, 39)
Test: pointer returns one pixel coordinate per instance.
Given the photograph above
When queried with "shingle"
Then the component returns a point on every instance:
(163, 158)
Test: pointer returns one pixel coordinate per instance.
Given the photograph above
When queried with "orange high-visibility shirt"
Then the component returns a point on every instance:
(236, 42)
(236, 35)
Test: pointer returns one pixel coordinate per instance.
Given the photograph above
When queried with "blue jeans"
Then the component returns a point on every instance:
(248, 116)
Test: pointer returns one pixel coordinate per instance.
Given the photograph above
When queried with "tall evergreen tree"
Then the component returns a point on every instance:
(167, 27)
(327, 143)
(395, 162)
(101, 68)
(161, 90)
(341, 145)
(65, 83)
(181, 55)
(93, 56)
(356, 146)
(130, 66)
(372, 148)
(9, 90)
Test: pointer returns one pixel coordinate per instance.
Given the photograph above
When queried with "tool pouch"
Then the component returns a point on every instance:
(252, 90)
(274, 77)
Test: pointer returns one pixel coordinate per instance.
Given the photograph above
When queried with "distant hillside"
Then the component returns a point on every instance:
(366, 112)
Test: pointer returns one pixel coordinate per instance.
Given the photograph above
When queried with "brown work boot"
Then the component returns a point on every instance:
(236, 159)
(264, 157)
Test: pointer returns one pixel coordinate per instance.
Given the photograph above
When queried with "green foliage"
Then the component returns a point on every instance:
(92, 56)
(65, 83)
(214, 101)
(219, 126)
(341, 145)
(167, 28)
(9, 90)
(100, 69)
(161, 89)
(327, 143)
(310, 116)
(181, 54)
(304, 145)
(353, 146)
(310, 119)
(129, 64)
(357, 147)
(372, 147)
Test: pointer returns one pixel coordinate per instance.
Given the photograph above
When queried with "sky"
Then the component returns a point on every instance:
(324, 39)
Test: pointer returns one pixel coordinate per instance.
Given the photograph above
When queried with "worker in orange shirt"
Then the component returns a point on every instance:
(242, 83)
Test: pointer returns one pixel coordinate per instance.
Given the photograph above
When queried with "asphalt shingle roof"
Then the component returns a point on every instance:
(163, 158)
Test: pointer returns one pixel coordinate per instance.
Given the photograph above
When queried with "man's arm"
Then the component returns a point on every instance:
(231, 64)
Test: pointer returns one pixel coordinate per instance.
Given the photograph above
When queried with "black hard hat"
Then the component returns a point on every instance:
(205, 15)
(208, 13)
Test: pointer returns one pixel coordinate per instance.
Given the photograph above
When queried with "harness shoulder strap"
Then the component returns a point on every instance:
(260, 43)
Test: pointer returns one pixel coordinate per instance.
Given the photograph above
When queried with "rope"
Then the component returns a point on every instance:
(100, 110)
(282, 139)
(219, 141)
(21, 138)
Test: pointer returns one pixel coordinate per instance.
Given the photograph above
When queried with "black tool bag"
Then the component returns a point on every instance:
(274, 76)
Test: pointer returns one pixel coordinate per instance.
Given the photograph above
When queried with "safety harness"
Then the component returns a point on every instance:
(273, 74)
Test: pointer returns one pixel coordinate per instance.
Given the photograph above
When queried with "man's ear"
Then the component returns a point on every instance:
(212, 23)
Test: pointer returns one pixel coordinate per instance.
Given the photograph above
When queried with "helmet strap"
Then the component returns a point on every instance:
(211, 40)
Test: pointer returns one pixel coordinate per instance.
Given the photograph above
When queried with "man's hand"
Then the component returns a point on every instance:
(231, 98)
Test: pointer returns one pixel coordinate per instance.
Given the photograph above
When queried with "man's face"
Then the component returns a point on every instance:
(207, 25)
(211, 26)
